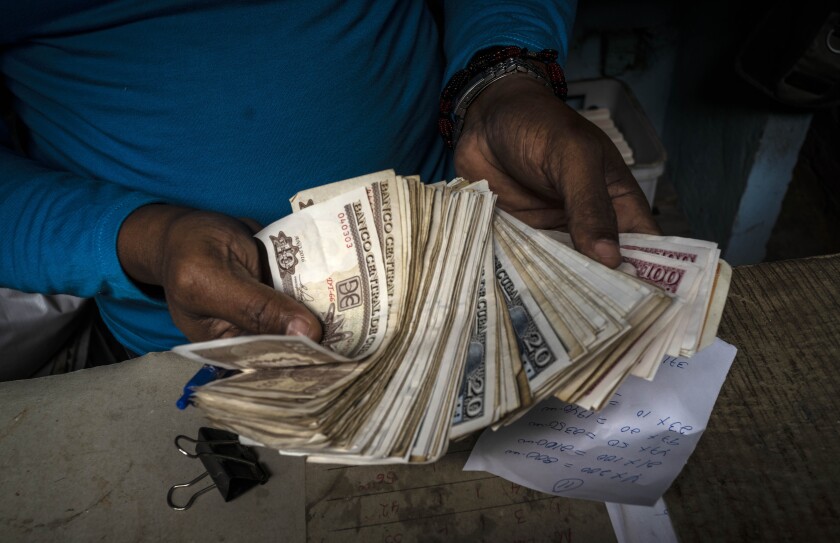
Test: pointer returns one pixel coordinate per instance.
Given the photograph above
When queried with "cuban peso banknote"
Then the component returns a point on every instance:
(329, 258)
(475, 404)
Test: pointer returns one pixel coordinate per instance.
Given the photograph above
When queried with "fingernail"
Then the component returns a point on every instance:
(298, 327)
(606, 250)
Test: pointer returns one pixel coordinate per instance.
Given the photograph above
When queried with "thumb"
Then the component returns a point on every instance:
(256, 308)
(592, 222)
(260, 309)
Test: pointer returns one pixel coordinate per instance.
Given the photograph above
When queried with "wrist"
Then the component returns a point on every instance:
(486, 69)
(142, 239)
(494, 76)
(504, 91)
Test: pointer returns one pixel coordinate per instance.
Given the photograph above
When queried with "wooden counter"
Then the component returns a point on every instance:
(89, 455)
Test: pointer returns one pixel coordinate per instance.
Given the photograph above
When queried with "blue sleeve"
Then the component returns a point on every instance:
(470, 26)
(59, 231)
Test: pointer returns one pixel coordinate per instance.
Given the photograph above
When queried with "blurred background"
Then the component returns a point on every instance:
(731, 111)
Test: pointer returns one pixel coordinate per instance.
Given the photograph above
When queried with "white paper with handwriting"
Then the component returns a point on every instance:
(629, 452)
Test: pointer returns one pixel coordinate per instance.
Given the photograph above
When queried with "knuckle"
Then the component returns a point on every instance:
(259, 315)
(218, 329)
(184, 279)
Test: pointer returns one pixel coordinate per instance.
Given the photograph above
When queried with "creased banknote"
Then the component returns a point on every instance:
(329, 258)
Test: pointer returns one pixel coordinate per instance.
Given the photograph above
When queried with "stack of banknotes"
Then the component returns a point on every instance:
(443, 315)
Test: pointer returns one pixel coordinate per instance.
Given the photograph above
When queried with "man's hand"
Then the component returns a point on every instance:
(209, 268)
(551, 168)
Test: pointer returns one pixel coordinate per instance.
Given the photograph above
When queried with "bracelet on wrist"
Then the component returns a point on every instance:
(485, 68)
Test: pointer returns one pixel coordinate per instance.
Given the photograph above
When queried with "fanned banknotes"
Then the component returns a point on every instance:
(443, 316)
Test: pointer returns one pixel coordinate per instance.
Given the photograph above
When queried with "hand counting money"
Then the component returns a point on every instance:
(443, 316)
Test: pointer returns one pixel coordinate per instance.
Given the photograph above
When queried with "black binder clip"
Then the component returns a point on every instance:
(233, 467)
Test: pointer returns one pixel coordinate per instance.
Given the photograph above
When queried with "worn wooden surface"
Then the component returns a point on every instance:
(766, 469)
(440, 502)
(89, 455)
(768, 466)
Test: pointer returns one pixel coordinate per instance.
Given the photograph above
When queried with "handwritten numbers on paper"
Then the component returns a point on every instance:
(627, 453)
(544, 458)
(564, 485)
(672, 441)
(676, 426)
(630, 449)
(674, 362)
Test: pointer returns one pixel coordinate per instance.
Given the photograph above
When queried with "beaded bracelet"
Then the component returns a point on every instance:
(491, 59)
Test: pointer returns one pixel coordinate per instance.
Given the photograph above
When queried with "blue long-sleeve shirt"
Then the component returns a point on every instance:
(218, 105)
